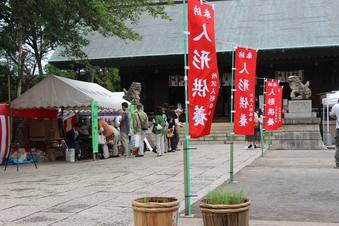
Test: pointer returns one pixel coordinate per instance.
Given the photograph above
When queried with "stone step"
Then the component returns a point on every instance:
(235, 141)
(220, 135)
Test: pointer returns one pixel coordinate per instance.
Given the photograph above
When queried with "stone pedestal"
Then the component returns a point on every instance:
(300, 129)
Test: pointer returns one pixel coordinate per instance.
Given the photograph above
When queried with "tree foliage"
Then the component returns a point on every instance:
(106, 77)
(30, 29)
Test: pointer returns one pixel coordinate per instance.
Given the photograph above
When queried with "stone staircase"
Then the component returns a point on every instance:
(220, 134)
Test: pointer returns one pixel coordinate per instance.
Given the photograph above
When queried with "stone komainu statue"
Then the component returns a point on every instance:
(299, 90)
(132, 95)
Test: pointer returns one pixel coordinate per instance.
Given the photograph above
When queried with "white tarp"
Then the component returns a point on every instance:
(331, 99)
(55, 92)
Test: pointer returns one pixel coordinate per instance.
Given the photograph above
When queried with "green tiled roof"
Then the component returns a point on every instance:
(258, 24)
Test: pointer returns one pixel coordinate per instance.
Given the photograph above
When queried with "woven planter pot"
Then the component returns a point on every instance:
(156, 211)
(225, 215)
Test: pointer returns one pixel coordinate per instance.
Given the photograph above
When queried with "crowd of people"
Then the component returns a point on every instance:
(166, 122)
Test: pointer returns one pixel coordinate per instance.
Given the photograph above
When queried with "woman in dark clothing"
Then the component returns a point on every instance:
(172, 133)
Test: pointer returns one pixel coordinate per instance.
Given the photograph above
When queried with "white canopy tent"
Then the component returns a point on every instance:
(56, 92)
(60, 92)
(330, 100)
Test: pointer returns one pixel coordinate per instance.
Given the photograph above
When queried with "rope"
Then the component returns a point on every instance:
(153, 210)
(224, 208)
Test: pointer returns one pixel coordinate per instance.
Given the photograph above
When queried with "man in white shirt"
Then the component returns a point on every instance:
(177, 125)
(335, 115)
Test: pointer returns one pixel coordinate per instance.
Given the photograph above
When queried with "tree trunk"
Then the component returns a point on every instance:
(20, 69)
(91, 75)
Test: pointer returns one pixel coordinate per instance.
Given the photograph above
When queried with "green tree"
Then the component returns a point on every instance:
(106, 77)
(31, 28)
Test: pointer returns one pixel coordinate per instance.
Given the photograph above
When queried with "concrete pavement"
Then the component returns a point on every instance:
(289, 187)
(100, 192)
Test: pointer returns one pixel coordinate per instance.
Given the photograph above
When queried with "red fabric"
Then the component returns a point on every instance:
(4, 132)
(272, 105)
(69, 122)
(279, 105)
(4, 109)
(36, 113)
(203, 79)
(244, 95)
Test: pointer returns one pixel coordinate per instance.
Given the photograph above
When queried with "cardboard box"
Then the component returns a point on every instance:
(50, 151)
(55, 152)
(51, 134)
(40, 129)
(58, 154)
(37, 131)
(49, 157)
(17, 154)
(46, 158)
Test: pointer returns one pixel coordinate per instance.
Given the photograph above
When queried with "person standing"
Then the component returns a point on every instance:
(108, 132)
(251, 140)
(140, 119)
(168, 112)
(172, 133)
(260, 128)
(335, 114)
(117, 120)
(159, 120)
(117, 139)
(177, 124)
(124, 129)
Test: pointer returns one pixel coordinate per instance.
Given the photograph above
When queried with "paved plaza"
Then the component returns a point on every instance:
(100, 192)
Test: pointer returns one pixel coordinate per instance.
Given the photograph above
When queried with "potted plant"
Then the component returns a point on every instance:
(225, 207)
(153, 211)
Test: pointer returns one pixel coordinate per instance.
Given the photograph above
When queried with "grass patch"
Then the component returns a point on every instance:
(225, 196)
(156, 200)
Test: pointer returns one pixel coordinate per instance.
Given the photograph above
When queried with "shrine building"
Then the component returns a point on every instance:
(292, 37)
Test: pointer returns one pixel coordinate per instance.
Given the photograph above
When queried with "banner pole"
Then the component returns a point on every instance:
(187, 159)
(262, 134)
(231, 120)
(95, 129)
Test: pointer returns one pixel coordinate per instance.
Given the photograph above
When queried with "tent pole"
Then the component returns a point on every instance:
(324, 135)
(328, 123)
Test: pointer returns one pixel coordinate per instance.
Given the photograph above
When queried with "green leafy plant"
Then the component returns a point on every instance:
(147, 199)
(156, 199)
(225, 196)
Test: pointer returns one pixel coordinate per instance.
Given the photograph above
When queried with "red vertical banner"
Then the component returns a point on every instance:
(203, 75)
(244, 95)
(279, 105)
(4, 132)
(272, 105)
